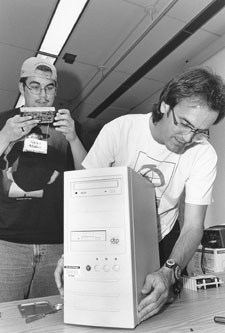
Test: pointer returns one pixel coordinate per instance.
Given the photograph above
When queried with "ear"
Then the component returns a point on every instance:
(164, 108)
(21, 88)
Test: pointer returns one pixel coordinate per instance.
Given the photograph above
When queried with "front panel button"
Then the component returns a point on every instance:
(116, 268)
(106, 268)
(97, 268)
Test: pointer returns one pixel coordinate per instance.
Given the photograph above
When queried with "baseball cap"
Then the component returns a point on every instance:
(29, 68)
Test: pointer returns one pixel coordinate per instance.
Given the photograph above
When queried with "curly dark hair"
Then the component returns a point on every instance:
(197, 82)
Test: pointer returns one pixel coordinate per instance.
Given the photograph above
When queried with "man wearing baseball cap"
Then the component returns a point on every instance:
(31, 191)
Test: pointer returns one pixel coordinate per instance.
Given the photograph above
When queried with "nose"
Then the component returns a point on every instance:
(43, 92)
(188, 138)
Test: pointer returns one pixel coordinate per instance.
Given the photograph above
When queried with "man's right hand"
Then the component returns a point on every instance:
(17, 127)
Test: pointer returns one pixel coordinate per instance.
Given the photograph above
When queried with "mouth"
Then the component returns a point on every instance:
(43, 102)
(180, 142)
(182, 145)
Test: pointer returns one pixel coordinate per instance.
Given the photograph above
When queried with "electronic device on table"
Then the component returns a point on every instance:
(214, 237)
(110, 245)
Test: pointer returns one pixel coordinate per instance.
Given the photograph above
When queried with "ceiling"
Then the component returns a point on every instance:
(126, 50)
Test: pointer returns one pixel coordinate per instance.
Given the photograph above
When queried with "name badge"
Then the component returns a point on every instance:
(35, 145)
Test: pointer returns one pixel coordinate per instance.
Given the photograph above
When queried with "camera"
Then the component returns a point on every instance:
(45, 115)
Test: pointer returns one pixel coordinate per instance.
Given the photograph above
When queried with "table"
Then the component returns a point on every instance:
(192, 312)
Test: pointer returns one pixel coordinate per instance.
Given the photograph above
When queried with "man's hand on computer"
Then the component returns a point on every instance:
(155, 291)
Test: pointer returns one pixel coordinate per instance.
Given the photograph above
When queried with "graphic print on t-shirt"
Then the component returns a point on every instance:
(26, 174)
(159, 173)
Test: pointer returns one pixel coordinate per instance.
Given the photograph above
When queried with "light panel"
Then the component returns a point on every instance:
(65, 17)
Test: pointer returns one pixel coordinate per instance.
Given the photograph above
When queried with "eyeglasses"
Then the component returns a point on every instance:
(37, 89)
(198, 135)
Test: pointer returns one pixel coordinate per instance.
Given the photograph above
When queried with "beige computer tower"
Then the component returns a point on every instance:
(110, 245)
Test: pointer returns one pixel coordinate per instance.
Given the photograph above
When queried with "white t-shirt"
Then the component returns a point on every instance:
(127, 141)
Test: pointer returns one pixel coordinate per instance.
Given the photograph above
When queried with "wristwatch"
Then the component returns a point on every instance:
(171, 263)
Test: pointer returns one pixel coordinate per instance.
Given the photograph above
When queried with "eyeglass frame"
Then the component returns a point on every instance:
(46, 92)
(195, 131)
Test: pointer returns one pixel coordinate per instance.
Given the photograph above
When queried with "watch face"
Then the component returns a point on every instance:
(170, 263)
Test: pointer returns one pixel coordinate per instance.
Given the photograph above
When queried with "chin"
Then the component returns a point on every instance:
(177, 149)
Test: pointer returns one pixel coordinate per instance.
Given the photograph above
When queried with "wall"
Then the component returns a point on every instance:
(215, 213)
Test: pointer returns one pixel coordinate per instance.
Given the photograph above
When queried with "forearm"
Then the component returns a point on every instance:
(191, 234)
(78, 152)
(186, 245)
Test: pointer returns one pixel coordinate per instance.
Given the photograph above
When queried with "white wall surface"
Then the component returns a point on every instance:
(216, 211)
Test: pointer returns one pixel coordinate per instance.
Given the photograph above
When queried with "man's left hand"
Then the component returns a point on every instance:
(64, 123)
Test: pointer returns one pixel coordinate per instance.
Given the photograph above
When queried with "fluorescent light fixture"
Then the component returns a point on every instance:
(48, 57)
(65, 17)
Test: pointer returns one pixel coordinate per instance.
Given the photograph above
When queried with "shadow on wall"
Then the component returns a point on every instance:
(87, 134)
(69, 88)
